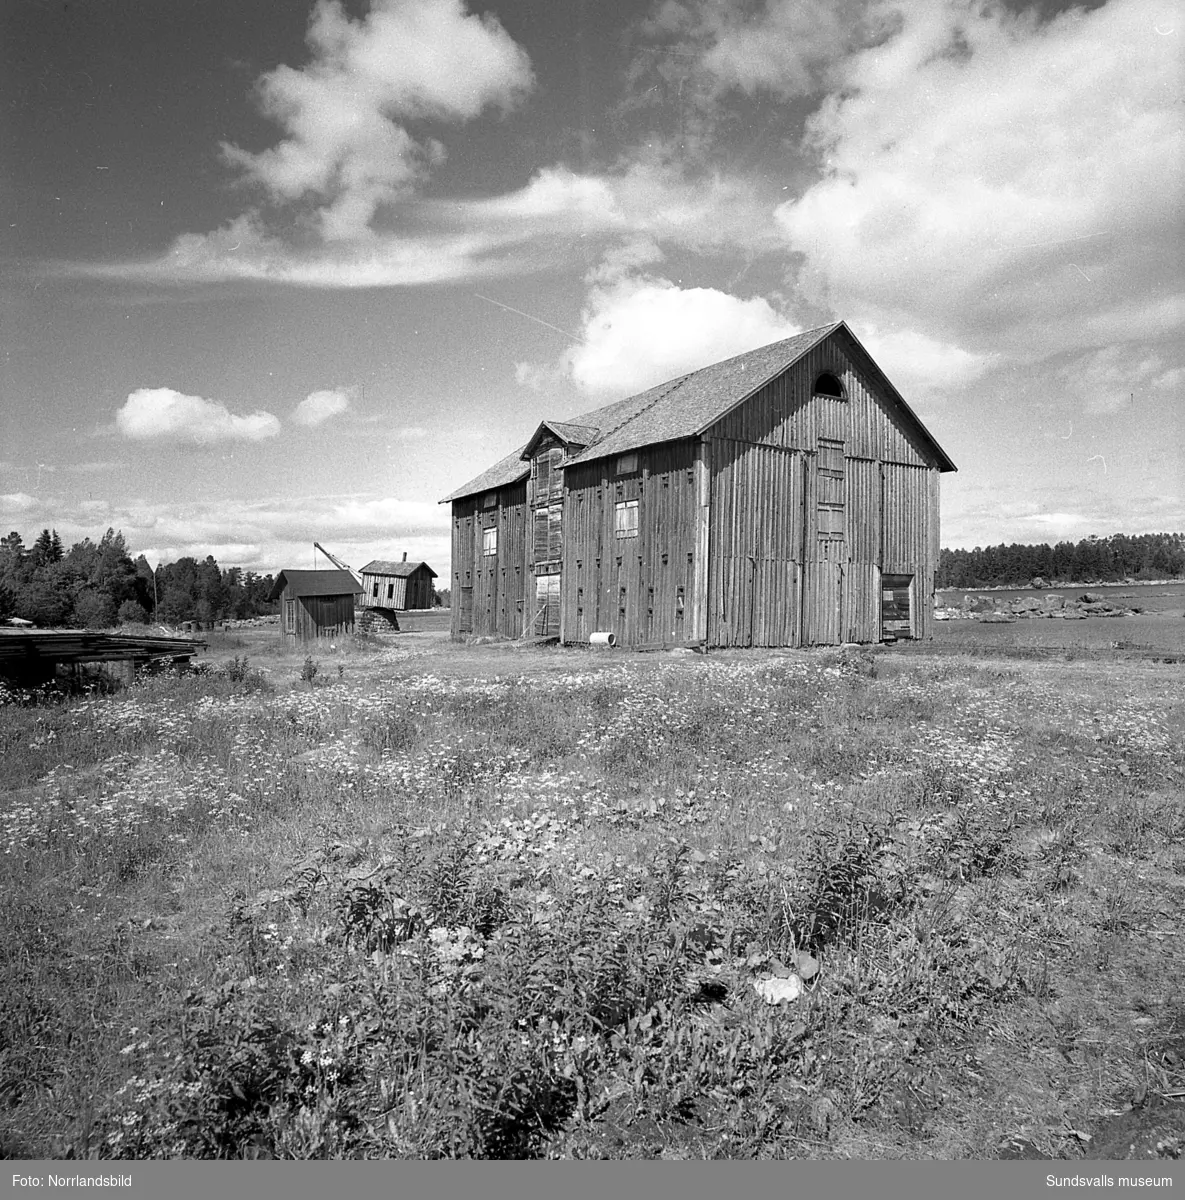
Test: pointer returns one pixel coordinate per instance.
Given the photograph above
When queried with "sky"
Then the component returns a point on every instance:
(276, 273)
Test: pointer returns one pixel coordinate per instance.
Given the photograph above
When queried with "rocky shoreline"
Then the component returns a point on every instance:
(1052, 606)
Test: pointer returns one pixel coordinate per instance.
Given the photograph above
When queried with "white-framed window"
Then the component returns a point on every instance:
(627, 464)
(489, 541)
(625, 518)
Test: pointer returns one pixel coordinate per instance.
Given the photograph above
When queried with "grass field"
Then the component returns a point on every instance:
(411, 899)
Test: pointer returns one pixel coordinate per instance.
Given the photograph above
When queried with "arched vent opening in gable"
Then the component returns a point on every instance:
(828, 385)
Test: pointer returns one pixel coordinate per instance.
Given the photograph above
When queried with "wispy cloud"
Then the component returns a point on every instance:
(17, 502)
(164, 414)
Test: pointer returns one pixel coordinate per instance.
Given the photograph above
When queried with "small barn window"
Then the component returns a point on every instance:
(489, 500)
(831, 522)
(627, 464)
(828, 385)
(390, 591)
(626, 518)
(547, 468)
(831, 458)
(489, 541)
(376, 590)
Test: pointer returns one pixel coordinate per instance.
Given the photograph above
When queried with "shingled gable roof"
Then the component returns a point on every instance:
(383, 566)
(569, 434)
(315, 583)
(686, 406)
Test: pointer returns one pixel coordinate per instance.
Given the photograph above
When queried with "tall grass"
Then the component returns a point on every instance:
(416, 914)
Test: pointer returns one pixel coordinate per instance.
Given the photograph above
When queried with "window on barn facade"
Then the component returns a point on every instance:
(489, 541)
(831, 522)
(831, 458)
(489, 500)
(627, 464)
(390, 591)
(376, 590)
(626, 518)
(828, 385)
(548, 540)
(547, 474)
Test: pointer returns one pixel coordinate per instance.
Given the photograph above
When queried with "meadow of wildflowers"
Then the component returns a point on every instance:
(430, 905)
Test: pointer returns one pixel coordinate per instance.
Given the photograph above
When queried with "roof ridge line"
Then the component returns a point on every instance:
(635, 415)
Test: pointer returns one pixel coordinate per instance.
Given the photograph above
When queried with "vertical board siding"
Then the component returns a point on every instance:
(784, 413)
(638, 588)
(307, 618)
(728, 549)
(488, 590)
(907, 495)
(756, 542)
(767, 590)
(407, 591)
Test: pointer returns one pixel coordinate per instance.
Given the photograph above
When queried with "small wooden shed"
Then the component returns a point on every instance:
(315, 604)
(397, 585)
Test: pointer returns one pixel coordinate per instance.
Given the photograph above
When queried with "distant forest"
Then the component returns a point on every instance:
(1092, 560)
(96, 585)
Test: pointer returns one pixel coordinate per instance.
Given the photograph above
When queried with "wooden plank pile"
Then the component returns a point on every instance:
(21, 649)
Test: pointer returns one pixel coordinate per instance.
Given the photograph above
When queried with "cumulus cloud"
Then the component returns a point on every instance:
(921, 365)
(639, 330)
(317, 407)
(1000, 180)
(780, 46)
(164, 414)
(405, 60)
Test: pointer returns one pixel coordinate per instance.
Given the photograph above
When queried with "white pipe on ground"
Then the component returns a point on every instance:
(603, 639)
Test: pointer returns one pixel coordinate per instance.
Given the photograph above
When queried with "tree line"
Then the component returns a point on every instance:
(96, 585)
(1092, 560)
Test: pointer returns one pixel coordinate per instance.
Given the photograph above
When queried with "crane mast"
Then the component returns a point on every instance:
(337, 562)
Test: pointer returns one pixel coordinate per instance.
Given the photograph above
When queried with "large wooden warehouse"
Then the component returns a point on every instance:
(785, 497)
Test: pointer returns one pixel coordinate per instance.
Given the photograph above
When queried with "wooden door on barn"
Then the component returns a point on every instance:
(547, 605)
(289, 622)
(896, 606)
(465, 621)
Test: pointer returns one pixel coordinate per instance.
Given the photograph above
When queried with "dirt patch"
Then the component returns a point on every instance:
(1154, 1130)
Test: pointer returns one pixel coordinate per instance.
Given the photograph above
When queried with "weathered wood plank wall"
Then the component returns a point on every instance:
(307, 618)
(490, 590)
(639, 588)
(823, 588)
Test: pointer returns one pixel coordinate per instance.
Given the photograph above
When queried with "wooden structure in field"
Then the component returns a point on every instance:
(397, 585)
(785, 497)
(35, 654)
(315, 604)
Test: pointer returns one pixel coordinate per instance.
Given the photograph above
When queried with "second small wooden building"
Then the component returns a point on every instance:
(397, 585)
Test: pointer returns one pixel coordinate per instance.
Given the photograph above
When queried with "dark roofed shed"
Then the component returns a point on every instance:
(315, 604)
